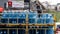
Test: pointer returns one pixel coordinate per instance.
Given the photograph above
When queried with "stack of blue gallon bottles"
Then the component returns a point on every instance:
(4, 31)
(45, 19)
(14, 18)
(41, 31)
(20, 17)
(12, 31)
(21, 31)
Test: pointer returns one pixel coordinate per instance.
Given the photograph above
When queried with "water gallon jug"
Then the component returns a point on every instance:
(11, 15)
(46, 15)
(40, 31)
(49, 18)
(49, 31)
(32, 17)
(52, 21)
(5, 15)
(5, 31)
(16, 14)
(21, 31)
(21, 21)
(32, 31)
(49, 15)
(4, 20)
(12, 31)
(40, 21)
(43, 16)
(12, 20)
(22, 17)
(32, 21)
(49, 21)
(1, 32)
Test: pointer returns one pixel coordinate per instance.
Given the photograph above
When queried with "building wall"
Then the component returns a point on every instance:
(58, 8)
(52, 7)
(2, 2)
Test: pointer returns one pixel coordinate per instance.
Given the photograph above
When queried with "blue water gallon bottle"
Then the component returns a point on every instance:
(12, 31)
(41, 31)
(5, 15)
(4, 20)
(5, 32)
(21, 31)
(50, 31)
(32, 17)
(13, 21)
(1, 32)
(32, 31)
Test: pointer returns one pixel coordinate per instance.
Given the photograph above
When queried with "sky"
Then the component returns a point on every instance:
(52, 2)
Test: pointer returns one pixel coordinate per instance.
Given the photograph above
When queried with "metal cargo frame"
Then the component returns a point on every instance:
(26, 24)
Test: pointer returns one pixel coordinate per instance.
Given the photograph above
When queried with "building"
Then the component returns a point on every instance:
(52, 7)
(58, 7)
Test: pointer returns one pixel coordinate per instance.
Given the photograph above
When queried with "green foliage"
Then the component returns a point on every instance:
(56, 13)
